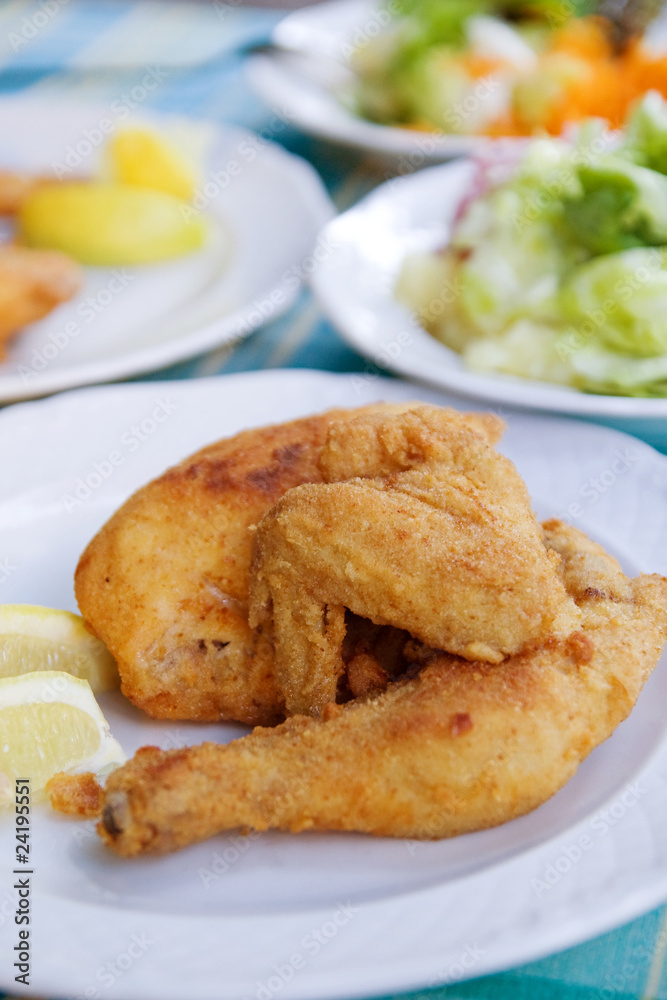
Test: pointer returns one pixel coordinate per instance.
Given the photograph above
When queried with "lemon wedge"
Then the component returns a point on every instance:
(34, 638)
(146, 159)
(49, 722)
(110, 224)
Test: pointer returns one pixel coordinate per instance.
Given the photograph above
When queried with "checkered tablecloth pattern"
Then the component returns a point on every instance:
(98, 49)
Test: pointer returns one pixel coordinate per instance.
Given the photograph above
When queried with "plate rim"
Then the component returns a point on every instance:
(555, 937)
(219, 333)
(263, 70)
(499, 389)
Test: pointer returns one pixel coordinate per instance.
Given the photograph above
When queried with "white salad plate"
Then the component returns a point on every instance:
(328, 916)
(355, 285)
(265, 208)
(304, 79)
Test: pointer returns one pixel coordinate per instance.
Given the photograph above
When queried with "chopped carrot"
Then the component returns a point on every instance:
(589, 80)
(585, 37)
(480, 66)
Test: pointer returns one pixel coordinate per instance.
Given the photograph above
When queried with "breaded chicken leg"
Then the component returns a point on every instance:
(459, 746)
(435, 535)
(165, 582)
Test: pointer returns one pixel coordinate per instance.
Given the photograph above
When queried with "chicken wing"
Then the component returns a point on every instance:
(165, 582)
(32, 284)
(453, 746)
(435, 535)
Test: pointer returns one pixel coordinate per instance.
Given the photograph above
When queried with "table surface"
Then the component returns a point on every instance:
(202, 44)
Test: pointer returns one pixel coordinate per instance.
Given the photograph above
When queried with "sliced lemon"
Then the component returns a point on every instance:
(110, 224)
(49, 722)
(35, 638)
(146, 159)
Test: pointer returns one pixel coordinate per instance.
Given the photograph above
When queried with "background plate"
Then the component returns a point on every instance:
(355, 286)
(304, 91)
(311, 917)
(304, 79)
(266, 208)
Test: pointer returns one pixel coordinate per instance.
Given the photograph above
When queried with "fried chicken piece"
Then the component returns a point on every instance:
(165, 582)
(435, 536)
(32, 284)
(460, 746)
(14, 189)
(365, 675)
(75, 794)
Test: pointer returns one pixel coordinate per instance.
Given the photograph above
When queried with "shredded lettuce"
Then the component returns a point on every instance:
(646, 134)
(619, 205)
(599, 371)
(558, 270)
(620, 301)
(403, 71)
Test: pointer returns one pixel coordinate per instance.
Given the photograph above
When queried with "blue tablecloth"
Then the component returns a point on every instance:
(95, 50)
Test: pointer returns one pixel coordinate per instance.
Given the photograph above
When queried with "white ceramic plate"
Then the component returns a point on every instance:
(318, 917)
(355, 285)
(303, 78)
(265, 207)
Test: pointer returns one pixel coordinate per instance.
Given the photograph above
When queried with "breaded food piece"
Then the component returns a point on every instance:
(458, 746)
(435, 536)
(75, 794)
(32, 284)
(14, 189)
(165, 582)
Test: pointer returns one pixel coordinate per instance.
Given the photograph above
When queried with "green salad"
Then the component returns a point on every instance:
(414, 70)
(559, 271)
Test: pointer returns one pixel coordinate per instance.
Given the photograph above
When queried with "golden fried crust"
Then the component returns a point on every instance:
(32, 284)
(421, 525)
(462, 746)
(75, 794)
(165, 582)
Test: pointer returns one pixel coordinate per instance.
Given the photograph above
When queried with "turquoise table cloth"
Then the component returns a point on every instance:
(95, 50)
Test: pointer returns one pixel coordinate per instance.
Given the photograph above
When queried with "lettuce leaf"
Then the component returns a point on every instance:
(607, 373)
(619, 302)
(646, 133)
(620, 205)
